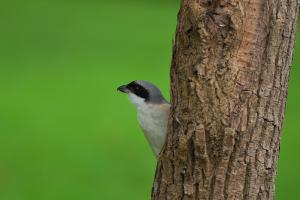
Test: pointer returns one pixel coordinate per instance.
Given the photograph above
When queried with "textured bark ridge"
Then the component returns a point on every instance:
(229, 76)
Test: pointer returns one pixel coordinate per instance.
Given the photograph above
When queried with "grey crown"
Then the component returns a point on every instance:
(155, 95)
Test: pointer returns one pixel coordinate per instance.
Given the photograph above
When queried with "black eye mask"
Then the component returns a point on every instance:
(138, 90)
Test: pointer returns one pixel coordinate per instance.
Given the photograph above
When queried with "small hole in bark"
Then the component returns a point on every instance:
(195, 72)
(189, 31)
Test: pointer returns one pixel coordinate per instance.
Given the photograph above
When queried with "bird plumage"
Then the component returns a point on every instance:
(152, 111)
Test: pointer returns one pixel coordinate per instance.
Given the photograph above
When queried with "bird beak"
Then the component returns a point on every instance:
(123, 88)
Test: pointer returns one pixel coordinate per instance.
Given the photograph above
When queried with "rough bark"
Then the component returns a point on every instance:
(229, 80)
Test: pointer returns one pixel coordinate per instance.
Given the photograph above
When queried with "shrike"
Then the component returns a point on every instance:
(152, 111)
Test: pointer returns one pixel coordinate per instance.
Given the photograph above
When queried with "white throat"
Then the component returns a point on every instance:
(137, 101)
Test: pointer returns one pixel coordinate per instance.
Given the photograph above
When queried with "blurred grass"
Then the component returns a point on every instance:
(65, 133)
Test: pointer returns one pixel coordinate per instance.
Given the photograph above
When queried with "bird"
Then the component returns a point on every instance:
(152, 111)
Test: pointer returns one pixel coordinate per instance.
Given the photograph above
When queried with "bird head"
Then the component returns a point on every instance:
(142, 92)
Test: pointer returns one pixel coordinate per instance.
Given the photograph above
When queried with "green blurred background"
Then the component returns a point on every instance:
(65, 133)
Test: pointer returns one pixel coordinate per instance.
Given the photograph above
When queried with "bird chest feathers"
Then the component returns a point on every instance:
(153, 120)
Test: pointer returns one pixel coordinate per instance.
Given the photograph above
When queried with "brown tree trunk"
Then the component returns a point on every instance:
(229, 76)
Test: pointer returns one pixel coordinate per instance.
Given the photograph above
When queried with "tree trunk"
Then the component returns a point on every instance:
(229, 80)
